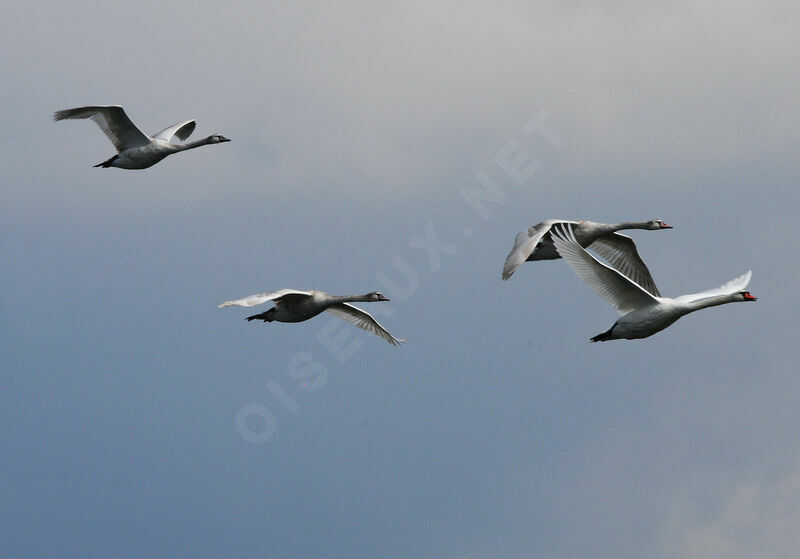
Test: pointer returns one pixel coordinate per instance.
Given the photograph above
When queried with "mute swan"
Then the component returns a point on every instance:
(643, 314)
(618, 249)
(296, 306)
(136, 149)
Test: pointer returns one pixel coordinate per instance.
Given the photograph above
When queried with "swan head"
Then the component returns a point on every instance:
(377, 296)
(747, 297)
(217, 139)
(658, 224)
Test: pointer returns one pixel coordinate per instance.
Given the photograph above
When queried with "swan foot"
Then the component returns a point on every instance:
(107, 163)
(605, 336)
(265, 316)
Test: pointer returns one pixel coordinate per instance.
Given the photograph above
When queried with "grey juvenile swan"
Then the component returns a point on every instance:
(136, 149)
(536, 244)
(296, 306)
(643, 314)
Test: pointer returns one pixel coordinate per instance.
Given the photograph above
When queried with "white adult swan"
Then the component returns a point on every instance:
(620, 250)
(136, 149)
(296, 306)
(643, 314)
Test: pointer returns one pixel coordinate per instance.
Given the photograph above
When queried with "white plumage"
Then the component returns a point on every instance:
(136, 150)
(292, 305)
(536, 244)
(643, 314)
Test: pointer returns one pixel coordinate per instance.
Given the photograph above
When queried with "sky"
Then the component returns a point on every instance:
(138, 419)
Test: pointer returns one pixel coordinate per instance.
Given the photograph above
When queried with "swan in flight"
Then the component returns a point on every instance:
(643, 314)
(296, 306)
(135, 149)
(620, 250)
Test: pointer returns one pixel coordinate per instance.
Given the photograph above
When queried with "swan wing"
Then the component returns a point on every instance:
(114, 123)
(622, 293)
(732, 286)
(182, 130)
(620, 251)
(362, 319)
(260, 298)
(525, 244)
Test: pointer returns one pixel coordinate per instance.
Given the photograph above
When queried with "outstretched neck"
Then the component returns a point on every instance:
(630, 225)
(714, 301)
(350, 298)
(190, 145)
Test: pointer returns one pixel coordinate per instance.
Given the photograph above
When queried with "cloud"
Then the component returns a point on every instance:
(400, 99)
(756, 520)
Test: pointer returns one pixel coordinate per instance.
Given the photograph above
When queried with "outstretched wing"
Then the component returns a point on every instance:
(622, 293)
(182, 130)
(114, 123)
(525, 244)
(260, 298)
(620, 251)
(362, 319)
(732, 286)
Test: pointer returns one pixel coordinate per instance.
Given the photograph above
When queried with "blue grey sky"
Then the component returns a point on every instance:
(139, 420)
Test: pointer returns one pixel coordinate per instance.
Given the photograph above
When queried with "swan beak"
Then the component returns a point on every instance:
(223, 139)
(748, 297)
(382, 298)
(665, 225)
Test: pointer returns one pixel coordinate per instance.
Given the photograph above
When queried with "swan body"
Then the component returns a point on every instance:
(292, 305)
(536, 243)
(643, 313)
(135, 149)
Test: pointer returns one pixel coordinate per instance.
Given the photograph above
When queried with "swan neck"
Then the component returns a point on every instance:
(630, 225)
(190, 145)
(350, 298)
(713, 301)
